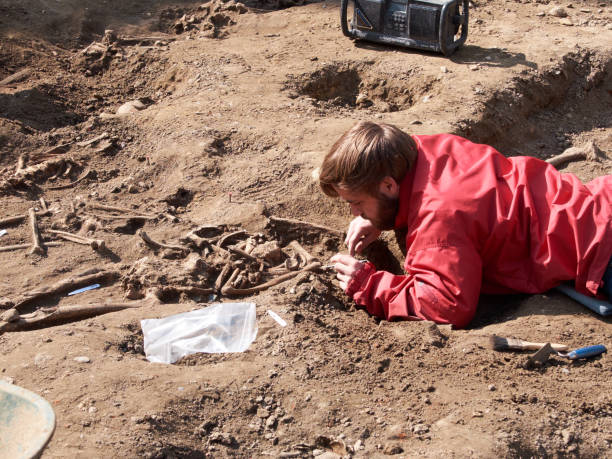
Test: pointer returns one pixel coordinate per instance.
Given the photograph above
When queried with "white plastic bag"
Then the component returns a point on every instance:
(220, 327)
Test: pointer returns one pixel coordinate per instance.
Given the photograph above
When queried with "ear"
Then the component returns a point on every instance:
(389, 187)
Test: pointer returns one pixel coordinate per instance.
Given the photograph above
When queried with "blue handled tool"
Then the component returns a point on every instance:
(584, 352)
(544, 353)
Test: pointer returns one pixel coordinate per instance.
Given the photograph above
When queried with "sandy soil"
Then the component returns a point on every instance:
(238, 104)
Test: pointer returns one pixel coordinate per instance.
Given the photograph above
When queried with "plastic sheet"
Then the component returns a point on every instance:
(221, 327)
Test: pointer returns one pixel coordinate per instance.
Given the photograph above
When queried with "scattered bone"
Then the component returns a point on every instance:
(229, 290)
(230, 281)
(120, 217)
(588, 151)
(228, 237)
(48, 154)
(10, 248)
(194, 264)
(48, 316)
(121, 209)
(243, 254)
(43, 205)
(222, 276)
(20, 218)
(191, 290)
(302, 254)
(159, 245)
(37, 244)
(21, 162)
(268, 251)
(17, 77)
(67, 172)
(96, 244)
(71, 184)
(89, 142)
(89, 277)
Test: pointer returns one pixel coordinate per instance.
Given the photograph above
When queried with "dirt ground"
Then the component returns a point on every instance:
(236, 106)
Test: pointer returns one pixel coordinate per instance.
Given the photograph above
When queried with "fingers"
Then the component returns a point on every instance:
(360, 234)
(346, 267)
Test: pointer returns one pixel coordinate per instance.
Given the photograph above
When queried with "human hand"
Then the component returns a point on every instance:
(361, 233)
(346, 267)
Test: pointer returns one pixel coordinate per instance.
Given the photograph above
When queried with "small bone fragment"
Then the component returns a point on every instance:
(37, 244)
(158, 245)
(301, 252)
(86, 143)
(10, 248)
(96, 244)
(43, 205)
(194, 264)
(588, 151)
(229, 290)
(71, 184)
(222, 276)
(21, 162)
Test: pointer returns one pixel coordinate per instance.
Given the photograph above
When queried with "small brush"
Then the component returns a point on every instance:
(499, 343)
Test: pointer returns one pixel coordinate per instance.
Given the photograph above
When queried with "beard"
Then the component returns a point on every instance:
(386, 211)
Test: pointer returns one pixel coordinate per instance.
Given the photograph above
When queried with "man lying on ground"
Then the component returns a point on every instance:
(475, 221)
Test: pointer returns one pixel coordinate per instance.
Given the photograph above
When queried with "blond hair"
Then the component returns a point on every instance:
(364, 155)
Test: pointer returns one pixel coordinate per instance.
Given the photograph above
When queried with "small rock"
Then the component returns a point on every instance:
(392, 449)
(92, 409)
(8, 379)
(10, 315)
(567, 435)
(362, 99)
(271, 422)
(443, 69)
(492, 387)
(566, 22)
(82, 359)
(262, 413)
(420, 429)
(132, 106)
(474, 67)
(41, 359)
(222, 438)
(557, 11)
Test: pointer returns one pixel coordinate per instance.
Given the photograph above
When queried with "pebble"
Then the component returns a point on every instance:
(82, 359)
(492, 387)
(566, 21)
(443, 69)
(41, 359)
(420, 429)
(557, 11)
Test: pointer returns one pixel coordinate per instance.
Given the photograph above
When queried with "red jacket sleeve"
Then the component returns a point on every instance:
(441, 284)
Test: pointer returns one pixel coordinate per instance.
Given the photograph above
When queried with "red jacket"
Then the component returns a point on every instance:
(477, 221)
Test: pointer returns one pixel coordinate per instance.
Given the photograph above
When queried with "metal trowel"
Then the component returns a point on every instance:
(544, 353)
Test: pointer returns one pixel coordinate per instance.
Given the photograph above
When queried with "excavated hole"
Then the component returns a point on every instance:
(546, 112)
(41, 108)
(357, 86)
